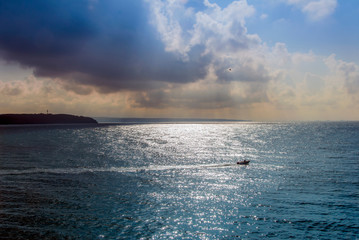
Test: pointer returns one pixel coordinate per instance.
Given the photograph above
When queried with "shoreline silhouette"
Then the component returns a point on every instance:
(41, 118)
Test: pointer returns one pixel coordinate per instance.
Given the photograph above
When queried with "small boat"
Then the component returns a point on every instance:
(244, 162)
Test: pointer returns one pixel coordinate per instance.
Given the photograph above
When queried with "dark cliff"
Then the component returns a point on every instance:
(43, 119)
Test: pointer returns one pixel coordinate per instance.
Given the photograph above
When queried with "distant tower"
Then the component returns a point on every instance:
(47, 111)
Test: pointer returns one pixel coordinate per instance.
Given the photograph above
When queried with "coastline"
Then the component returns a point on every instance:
(41, 118)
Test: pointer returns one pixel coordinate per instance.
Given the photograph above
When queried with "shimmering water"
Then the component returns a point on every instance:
(180, 181)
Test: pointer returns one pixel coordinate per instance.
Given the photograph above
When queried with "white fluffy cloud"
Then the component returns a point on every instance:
(315, 9)
(244, 73)
(220, 31)
(237, 72)
(347, 71)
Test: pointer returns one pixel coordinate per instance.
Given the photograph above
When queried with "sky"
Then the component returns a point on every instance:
(275, 60)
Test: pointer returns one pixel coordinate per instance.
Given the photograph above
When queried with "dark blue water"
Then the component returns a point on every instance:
(180, 181)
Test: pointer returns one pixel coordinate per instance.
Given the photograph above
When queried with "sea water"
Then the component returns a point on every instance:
(180, 181)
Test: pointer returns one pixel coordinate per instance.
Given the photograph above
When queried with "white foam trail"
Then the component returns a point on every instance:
(111, 169)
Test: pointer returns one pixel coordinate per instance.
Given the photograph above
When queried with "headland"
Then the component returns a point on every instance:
(41, 118)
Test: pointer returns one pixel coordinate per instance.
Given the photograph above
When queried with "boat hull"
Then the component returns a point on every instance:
(244, 162)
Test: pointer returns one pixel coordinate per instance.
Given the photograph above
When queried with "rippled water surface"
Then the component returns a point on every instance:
(180, 181)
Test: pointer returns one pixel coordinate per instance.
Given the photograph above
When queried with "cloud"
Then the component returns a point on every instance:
(220, 34)
(315, 10)
(40, 94)
(166, 58)
(205, 94)
(10, 89)
(216, 30)
(348, 71)
(320, 9)
(141, 46)
(264, 16)
(109, 45)
(235, 57)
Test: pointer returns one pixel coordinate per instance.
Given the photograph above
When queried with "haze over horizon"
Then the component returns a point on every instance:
(258, 60)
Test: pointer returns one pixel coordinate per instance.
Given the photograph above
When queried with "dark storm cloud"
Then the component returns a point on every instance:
(106, 44)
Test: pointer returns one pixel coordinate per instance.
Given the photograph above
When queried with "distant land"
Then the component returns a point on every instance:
(162, 120)
(41, 118)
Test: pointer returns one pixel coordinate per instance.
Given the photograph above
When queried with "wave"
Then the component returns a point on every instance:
(110, 169)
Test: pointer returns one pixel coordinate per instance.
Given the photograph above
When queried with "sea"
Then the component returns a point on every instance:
(180, 180)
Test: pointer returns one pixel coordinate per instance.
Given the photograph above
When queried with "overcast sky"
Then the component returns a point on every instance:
(259, 60)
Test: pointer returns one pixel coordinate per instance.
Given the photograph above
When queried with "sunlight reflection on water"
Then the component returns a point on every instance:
(160, 181)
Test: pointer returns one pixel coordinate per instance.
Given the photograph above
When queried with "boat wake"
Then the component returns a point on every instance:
(110, 169)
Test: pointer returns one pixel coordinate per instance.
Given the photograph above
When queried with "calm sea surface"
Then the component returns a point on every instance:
(180, 181)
